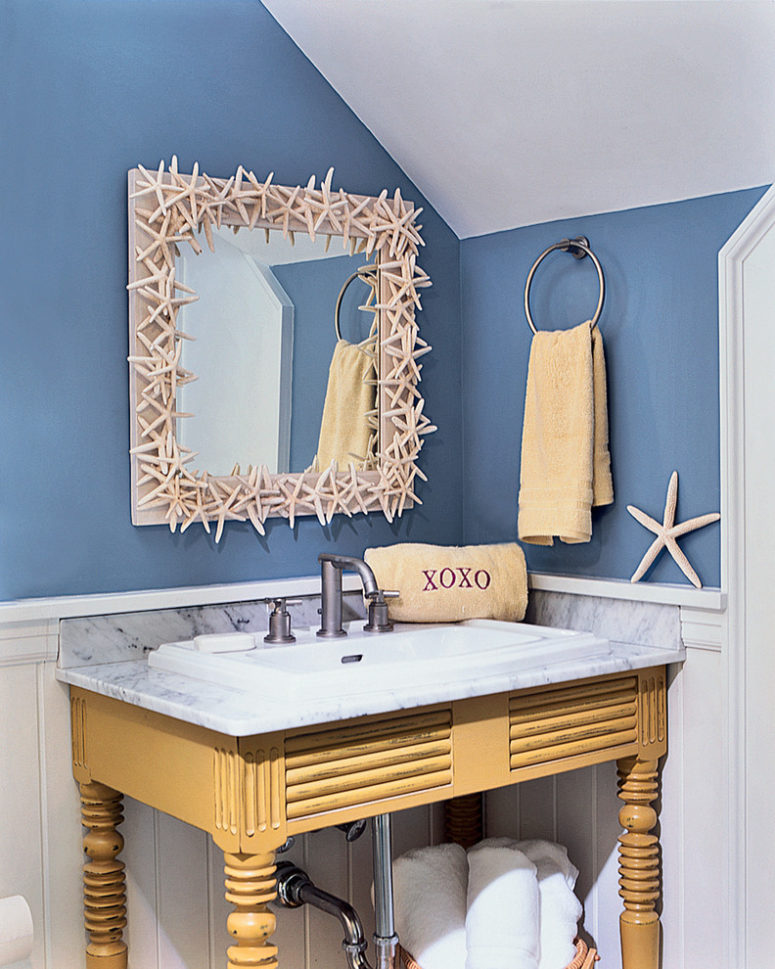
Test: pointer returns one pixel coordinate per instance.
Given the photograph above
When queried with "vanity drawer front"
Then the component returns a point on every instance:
(589, 720)
(347, 767)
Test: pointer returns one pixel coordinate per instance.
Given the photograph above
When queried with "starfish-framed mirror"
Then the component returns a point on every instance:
(173, 219)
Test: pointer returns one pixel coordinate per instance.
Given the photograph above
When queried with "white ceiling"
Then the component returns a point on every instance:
(512, 112)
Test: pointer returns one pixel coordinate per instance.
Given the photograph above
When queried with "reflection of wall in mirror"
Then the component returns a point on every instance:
(242, 356)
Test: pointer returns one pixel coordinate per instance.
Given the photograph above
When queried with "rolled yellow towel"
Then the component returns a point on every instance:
(344, 428)
(439, 583)
(566, 465)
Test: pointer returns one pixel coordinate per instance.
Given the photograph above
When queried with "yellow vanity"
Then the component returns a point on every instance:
(252, 771)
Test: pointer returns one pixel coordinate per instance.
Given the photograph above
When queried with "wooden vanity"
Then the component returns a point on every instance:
(250, 793)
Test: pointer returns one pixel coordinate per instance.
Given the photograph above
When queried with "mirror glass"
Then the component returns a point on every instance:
(262, 337)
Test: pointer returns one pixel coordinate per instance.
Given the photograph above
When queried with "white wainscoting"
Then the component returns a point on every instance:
(176, 908)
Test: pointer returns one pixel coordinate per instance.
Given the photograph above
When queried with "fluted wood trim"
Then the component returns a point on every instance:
(78, 733)
(652, 699)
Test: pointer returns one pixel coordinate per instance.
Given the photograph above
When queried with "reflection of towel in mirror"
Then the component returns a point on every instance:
(344, 428)
(566, 465)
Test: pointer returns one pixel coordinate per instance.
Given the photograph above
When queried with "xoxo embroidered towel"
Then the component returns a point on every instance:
(439, 583)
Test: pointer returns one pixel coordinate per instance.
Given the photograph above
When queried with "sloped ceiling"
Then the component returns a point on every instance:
(512, 112)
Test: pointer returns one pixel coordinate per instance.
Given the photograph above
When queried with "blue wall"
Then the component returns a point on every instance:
(87, 90)
(660, 327)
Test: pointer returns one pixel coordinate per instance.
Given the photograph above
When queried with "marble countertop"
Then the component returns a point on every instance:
(237, 713)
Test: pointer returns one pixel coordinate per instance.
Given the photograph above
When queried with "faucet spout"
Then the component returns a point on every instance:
(331, 568)
(349, 563)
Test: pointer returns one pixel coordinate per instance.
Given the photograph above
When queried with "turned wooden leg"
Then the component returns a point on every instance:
(639, 864)
(250, 885)
(463, 820)
(104, 883)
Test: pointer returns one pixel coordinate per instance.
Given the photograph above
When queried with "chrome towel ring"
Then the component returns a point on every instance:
(369, 275)
(578, 248)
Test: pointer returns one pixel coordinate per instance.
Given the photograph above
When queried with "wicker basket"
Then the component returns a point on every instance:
(585, 957)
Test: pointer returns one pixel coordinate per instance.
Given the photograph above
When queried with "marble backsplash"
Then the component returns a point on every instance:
(618, 620)
(127, 636)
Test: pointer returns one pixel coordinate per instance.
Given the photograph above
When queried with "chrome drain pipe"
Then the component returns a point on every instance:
(385, 938)
(294, 888)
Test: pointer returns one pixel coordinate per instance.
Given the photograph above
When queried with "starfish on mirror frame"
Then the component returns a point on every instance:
(668, 532)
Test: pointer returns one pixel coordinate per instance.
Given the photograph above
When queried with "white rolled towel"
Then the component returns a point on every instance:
(429, 887)
(502, 920)
(560, 909)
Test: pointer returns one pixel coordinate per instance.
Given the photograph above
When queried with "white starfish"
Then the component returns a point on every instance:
(667, 532)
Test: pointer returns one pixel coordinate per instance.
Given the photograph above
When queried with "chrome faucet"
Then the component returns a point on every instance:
(331, 568)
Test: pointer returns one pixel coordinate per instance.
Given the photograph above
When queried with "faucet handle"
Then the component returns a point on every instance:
(280, 602)
(279, 623)
(379, 620)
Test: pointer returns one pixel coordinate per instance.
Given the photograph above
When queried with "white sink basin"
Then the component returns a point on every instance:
(411, 655)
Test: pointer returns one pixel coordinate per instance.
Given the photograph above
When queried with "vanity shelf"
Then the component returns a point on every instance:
(252, 792)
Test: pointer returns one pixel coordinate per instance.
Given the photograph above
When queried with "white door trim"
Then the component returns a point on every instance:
(734, 557)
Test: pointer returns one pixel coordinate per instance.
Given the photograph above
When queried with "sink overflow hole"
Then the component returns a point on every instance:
(353, 658)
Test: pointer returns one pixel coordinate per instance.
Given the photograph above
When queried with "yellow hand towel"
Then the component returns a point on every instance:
(447, 583)
(344, 428)
(566, 465)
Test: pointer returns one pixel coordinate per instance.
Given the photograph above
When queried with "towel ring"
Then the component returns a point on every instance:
(578, 248)
(369, 275)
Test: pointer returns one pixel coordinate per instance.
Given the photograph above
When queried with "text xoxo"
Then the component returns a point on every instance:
(459, 578)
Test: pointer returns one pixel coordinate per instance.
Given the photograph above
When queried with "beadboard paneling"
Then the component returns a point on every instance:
(578, 834)
(184, 924)
(704, 803)
(671, 822)
(60, 854)
(140, 855)
(20, 796)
